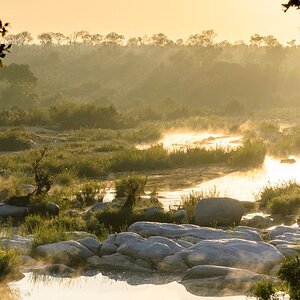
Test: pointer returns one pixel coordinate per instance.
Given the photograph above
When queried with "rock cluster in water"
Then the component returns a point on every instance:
(208, 260)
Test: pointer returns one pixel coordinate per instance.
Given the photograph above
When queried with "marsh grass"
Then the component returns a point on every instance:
(250, 154)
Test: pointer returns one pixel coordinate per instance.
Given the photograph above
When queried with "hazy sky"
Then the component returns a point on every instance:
(232, 19)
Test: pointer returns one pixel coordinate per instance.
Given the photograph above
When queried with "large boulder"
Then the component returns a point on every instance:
(70, 253)
(209, 280)
(258, 257)
(218, 211)
(188, 232)
(13, 211)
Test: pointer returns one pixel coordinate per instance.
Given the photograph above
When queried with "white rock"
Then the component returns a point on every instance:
(275, 231)
(67, 252)
(174, 231)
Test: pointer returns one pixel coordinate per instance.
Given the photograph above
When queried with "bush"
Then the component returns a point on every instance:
(9, 262)
(290, 274)
(14, 141)
(285, 204)
(264, 290)
(132, 187)
(90, 193)
(251, 154)
(271, 191)
(124, 184)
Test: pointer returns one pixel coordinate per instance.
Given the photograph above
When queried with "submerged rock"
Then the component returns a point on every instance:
(288, 161)
(220, 211)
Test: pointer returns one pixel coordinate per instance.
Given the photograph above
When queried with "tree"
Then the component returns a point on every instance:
(45, 38)
(293, 3)
(114, 39)
(3, 47)
(20, 39)
(256, 40)
(161, 39)
(204, 39)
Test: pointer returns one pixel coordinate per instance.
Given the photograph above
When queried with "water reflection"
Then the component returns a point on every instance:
(107, 285)
(184, 140)
(242, 185)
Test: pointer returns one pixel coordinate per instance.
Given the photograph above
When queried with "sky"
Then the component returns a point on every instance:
(231, 19)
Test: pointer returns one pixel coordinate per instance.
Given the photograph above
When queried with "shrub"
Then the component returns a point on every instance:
(271, 191)
(251, 154)
(90, 193)
(290, 274)
(14, 141)
(9, 262)
(285, 204)
(264, 290)
(132, 187)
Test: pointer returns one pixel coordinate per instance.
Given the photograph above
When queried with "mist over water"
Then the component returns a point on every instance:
(91, 287)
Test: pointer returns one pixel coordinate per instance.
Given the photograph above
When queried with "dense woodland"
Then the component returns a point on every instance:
(147, 76)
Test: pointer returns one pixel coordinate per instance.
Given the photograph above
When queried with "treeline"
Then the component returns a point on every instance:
(66, 116)
(204, 39)
(142, 78)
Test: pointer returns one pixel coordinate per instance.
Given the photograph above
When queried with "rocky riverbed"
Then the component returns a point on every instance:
(206, 261)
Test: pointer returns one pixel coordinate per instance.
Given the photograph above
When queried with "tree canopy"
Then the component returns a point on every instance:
(4, 48)
(291, 3)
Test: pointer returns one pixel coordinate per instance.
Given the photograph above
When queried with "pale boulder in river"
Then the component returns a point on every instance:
(219, 211)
